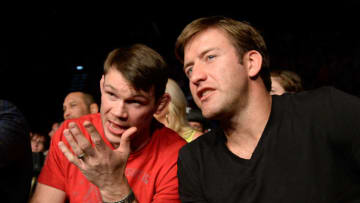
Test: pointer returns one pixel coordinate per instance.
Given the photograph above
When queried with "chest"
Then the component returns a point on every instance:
(140, 175)
(281, 167)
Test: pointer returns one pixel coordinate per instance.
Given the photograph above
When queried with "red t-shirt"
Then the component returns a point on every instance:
(151, 172)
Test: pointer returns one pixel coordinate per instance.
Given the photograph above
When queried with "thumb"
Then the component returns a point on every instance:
(126, 139)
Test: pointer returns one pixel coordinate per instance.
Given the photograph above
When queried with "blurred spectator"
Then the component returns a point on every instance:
(39, 142)
(77, 104)
(196, 119)
(39, 146)
(15, 155)
(54, 127)
(285, 81)
(174, 116)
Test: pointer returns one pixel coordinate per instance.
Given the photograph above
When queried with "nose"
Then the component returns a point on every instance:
(198, 74)
(120, 111)
(67, 114)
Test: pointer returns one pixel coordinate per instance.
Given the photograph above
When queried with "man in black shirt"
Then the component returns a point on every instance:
(291, 148)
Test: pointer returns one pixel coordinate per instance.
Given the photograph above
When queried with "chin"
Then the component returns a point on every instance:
(112, 138)
(208, 114)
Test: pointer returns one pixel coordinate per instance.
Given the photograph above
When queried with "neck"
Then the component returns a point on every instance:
(141, 139)
(244, 128)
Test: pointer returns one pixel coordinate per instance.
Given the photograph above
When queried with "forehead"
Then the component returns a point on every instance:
(210, 38)
(77, 96)
(115, 81)
(37, 137)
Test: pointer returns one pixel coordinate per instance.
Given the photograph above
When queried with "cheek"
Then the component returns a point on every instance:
(193, 90)
(105, 106)
(195, 97)
(139, 118)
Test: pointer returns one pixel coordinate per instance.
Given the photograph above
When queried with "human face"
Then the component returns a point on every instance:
(123, 107)
(37, 143)
(54, 127)
(196, 125)
(74, 106)
(276, 88)
(218, 82)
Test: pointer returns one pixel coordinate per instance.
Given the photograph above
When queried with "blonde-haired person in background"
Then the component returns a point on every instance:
(285, 81)
(174, 116)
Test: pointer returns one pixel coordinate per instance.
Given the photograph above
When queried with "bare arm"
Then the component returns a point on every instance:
(45, 194)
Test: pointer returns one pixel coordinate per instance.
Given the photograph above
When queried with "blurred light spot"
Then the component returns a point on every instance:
(79, 67)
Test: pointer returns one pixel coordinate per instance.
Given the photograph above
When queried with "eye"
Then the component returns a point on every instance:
(210, 57)
(135, 103)
(188, 71)
(111, 94)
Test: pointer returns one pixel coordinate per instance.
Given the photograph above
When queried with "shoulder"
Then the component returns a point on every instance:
(319, 94)
(5, 105)
(9, 111)
(196, 134)
(167, 137)
(12, 121)
(322, 108)
(95, 119)
(204, 144)
(317, 99)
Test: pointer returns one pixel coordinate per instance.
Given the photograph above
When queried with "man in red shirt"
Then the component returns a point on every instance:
(121, 154)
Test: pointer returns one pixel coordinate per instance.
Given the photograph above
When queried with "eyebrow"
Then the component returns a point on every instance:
(200, 55)
(110, 86)
(133, 96)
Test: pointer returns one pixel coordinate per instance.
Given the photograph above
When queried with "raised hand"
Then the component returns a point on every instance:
(101, 165)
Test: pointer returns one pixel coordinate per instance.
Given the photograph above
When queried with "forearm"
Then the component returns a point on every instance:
(45, 193)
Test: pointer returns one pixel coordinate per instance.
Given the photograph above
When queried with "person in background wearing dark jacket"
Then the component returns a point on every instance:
(15, 155)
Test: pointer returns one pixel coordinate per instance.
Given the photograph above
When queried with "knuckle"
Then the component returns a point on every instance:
(96, 140)
(84, 146)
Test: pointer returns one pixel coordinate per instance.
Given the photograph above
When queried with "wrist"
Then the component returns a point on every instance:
(115, 192)
(127, 199)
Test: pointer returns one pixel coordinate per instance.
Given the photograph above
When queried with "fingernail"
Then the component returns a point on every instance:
(86, 123)
(66, 132)
(72, 124)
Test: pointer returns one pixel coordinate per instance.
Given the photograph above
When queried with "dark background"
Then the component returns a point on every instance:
(40, 48)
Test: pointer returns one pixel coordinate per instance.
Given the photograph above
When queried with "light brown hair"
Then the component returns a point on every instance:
(290, 81)
(243, 36)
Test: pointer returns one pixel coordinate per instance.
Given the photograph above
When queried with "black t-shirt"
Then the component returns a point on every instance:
(309, 152)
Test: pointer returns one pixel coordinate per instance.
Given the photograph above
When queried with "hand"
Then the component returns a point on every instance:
(102, 166)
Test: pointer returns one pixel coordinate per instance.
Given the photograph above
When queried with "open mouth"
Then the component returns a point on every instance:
(116, 129)
(204, 94)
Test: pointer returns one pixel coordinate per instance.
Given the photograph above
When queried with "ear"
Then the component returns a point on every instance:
(94, 108)
(253, 61)
(102, 84)
(163, 103)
